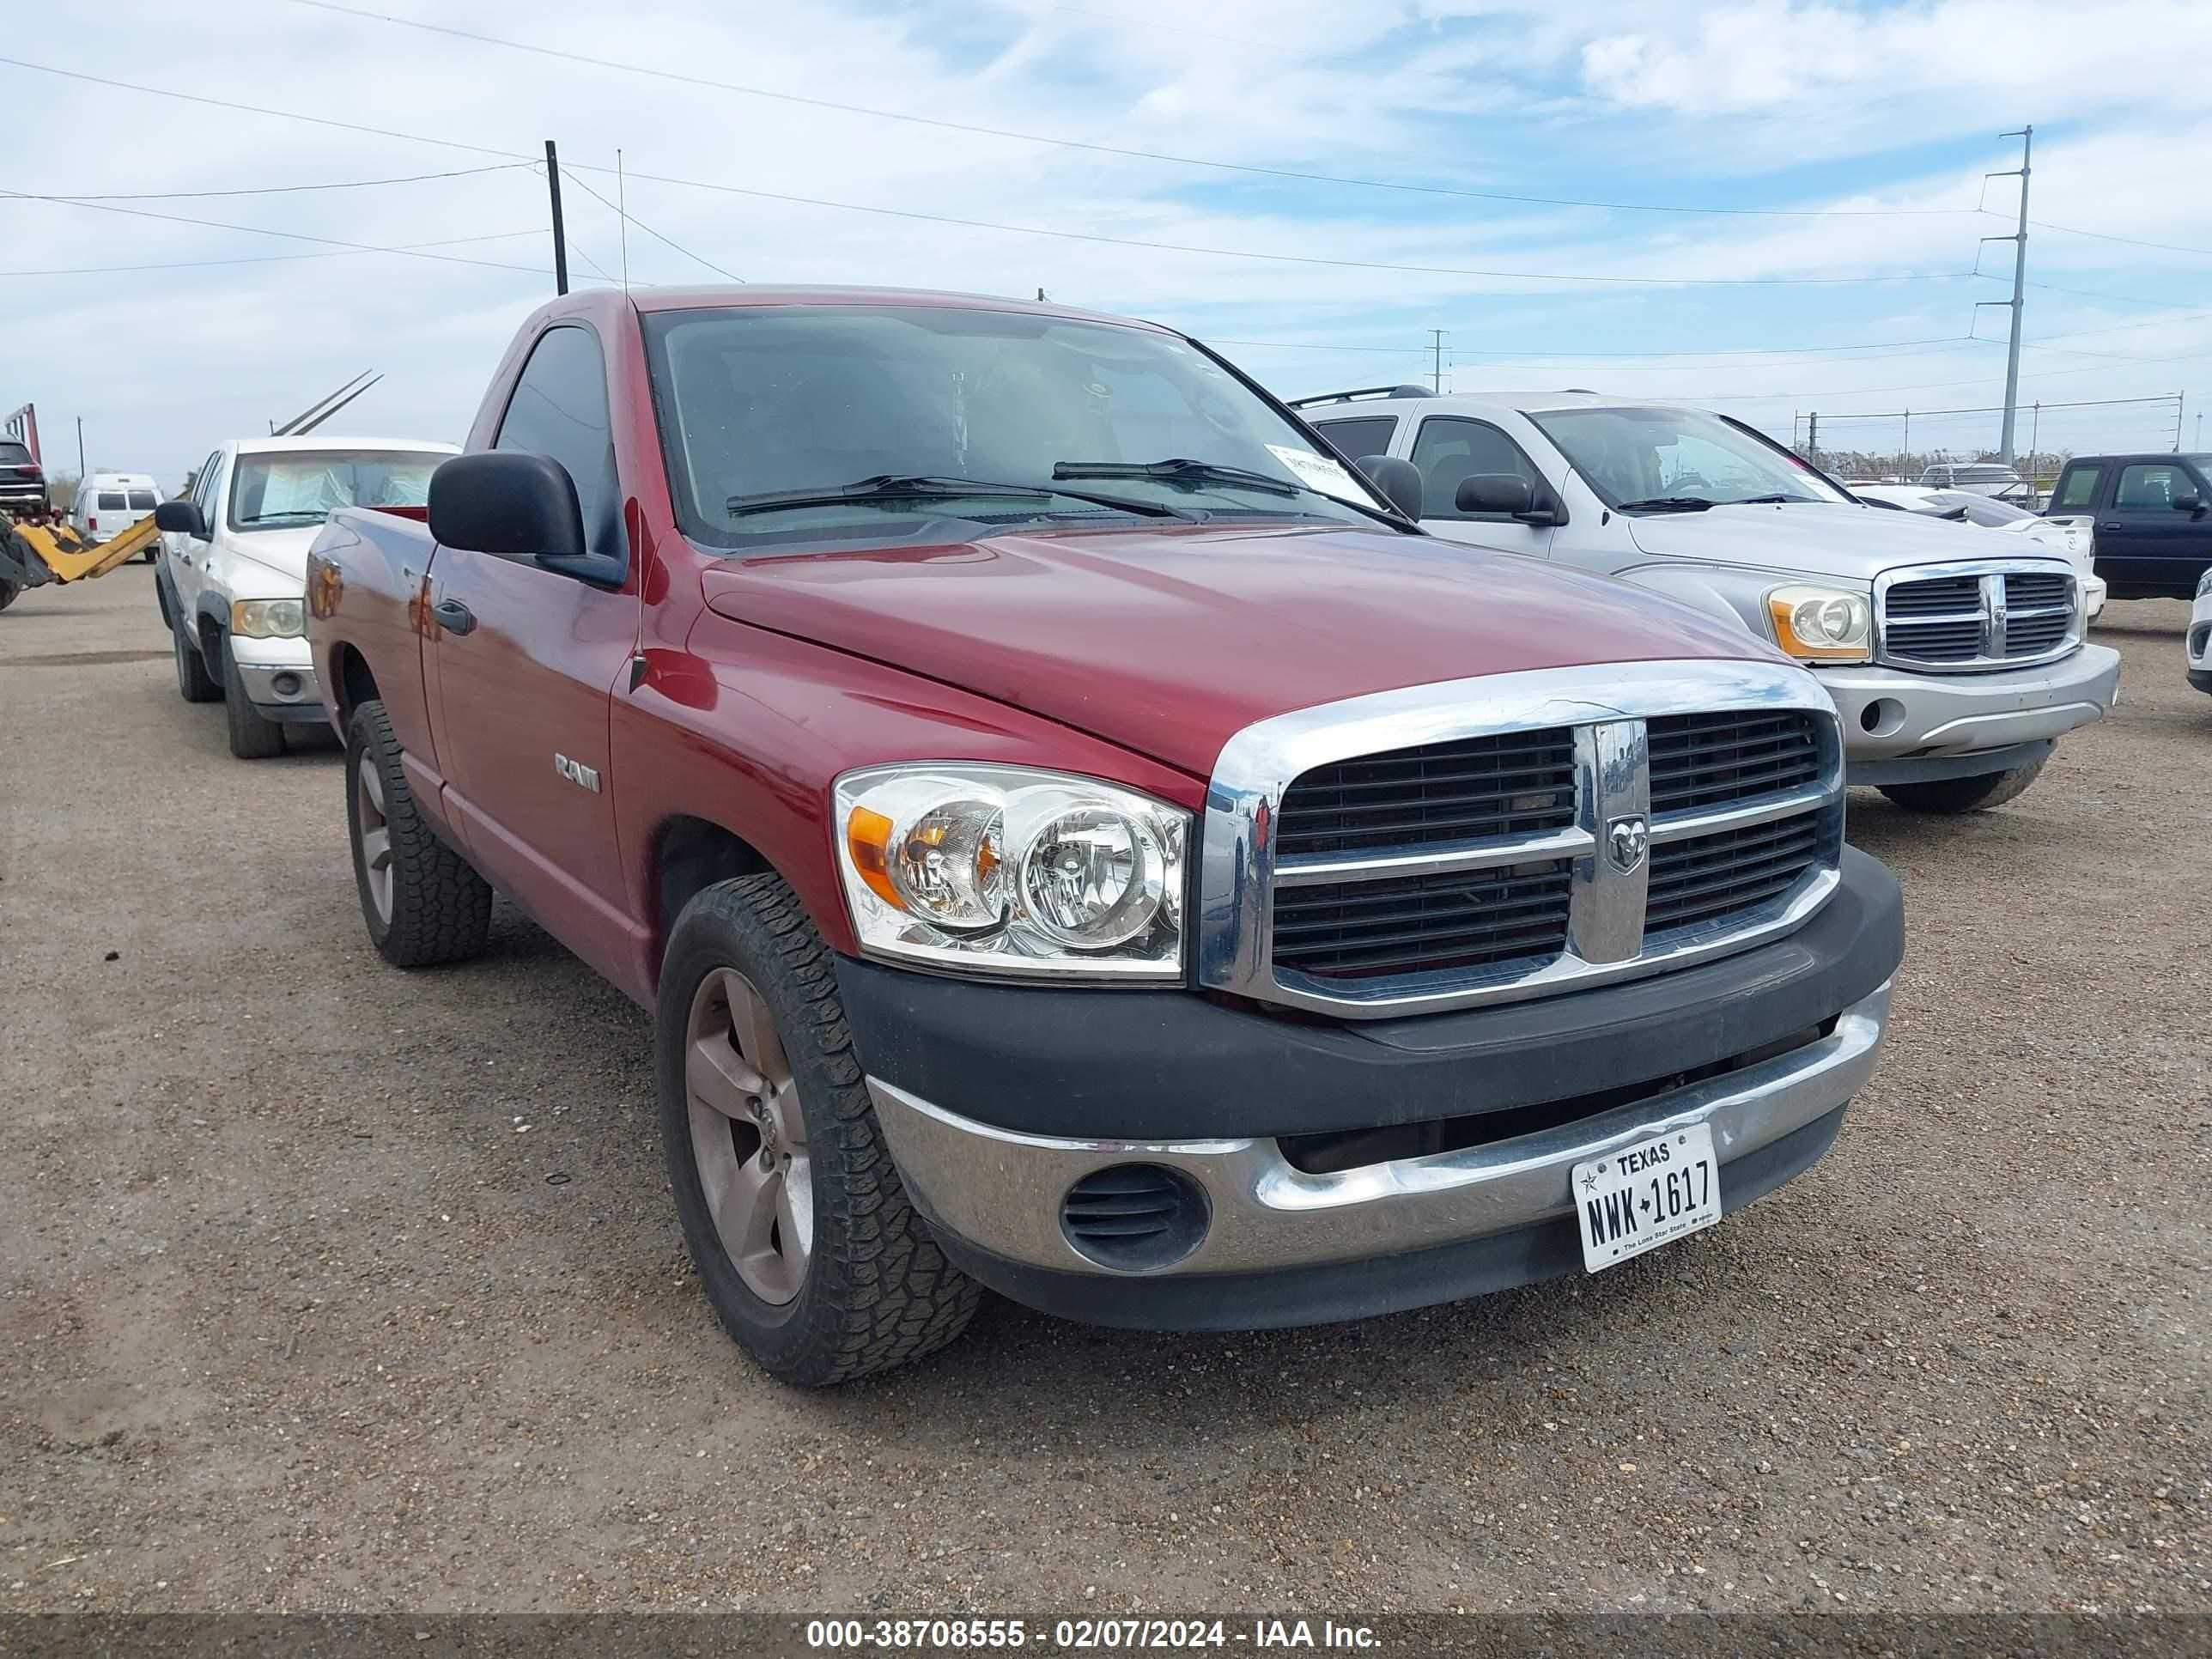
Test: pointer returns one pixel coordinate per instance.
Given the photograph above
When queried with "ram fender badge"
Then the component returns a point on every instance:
(1626, 841)
(583, 776)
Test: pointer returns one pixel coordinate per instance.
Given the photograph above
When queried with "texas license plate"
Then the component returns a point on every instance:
(1646, 1195)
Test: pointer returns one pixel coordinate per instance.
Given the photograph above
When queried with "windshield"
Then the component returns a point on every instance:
(282, 492)
(1630, 456)
(810, 401)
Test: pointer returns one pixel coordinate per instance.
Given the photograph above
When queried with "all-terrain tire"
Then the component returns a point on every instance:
(877, 1292)
(252, 735)
(194, 683)
(441, 907)
(1973, 795)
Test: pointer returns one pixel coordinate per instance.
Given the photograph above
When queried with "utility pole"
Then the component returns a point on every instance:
(1905, 455)
(560, 234)
(2034, 442)
(2179, 399)
(1813, 437)
(1436, 360)
(80, 451)
(2018, 239)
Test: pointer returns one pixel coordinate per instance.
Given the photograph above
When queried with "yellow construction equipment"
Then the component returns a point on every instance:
(38, 548)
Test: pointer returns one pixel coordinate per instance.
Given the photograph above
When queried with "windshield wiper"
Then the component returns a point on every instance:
(1194, 474)
(1667, 504)
(1764, 501)
(919, 486)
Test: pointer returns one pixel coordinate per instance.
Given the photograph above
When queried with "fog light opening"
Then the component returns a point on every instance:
(286, 685)
(1134, 1218)
(1882, 717)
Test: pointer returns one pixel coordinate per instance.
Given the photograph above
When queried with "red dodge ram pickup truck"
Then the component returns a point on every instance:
(1077, 836)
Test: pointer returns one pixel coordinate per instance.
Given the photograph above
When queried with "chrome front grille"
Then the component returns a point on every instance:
(1523, 833)
(1988, 614)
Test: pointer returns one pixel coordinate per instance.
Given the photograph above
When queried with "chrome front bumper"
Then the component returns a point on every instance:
(1943, 714)
(1000, 1192)
(282, 691)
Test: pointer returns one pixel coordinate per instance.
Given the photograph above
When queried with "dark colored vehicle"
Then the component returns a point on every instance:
(2153, 515)
(1077, 837)
(22, 480)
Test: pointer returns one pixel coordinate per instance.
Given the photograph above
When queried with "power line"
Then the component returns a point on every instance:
(1993, 409)
(1093, 237)
(2098, 293)
(257, 230)
(1098, 149)
(275, 259)
(284, 190)
(2107, 236)
(1153, 246)
(621, 213)
(1095, 148)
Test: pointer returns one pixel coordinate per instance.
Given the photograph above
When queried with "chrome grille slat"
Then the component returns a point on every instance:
(1521, 783)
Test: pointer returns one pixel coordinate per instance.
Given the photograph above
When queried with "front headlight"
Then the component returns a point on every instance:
(1822, 624)
(1004, 870)
(269, 619)
(2204, 584)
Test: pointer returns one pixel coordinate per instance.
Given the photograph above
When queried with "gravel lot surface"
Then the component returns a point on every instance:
(324, 1286)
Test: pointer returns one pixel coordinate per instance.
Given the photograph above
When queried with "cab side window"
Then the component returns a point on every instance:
(1452, 449)
(203, 490)
(1356, 440)
(559, 411)
(2152, 488)
(2078, 489)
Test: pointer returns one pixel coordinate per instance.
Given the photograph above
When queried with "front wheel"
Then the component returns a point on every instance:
(254, 736)
(1973, 795)
(7, 593)
(194, 683)
(808, 1248)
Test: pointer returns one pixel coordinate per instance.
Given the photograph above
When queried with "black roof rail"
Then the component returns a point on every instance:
(1362, 392)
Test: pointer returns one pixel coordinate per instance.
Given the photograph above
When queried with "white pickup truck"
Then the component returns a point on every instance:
(1956, 669)
(233, 577)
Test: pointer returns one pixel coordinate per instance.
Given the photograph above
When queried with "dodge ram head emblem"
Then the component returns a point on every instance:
(1626, 841)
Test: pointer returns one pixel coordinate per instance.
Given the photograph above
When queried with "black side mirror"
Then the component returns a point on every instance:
(1398, 481)
(2191, 503)
(507, 502)
(1506, 494)
(183, 518)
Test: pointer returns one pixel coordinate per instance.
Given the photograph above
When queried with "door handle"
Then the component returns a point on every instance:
(2109, 524)
(454, 617)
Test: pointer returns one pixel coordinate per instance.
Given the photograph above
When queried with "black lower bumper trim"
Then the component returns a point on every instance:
(1097, 1064)
(1354, 1290)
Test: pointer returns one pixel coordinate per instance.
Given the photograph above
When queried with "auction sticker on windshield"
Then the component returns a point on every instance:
(1319, 473)
(1646, 1195)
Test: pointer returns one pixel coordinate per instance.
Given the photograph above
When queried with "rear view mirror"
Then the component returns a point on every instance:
(2189, 502)
(1398, 481)
(509, 504)
(182, 518)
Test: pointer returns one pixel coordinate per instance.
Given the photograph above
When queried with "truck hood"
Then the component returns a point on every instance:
(282, 553)
(1817, 539)
(1168, 641)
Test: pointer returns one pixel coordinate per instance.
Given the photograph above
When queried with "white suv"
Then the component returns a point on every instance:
(1955, 664)
(2199, 647)
(233, 581)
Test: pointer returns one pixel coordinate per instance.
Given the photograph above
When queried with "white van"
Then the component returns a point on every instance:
(109, 503)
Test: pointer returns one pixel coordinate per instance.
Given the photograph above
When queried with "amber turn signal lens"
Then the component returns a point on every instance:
(868, 844)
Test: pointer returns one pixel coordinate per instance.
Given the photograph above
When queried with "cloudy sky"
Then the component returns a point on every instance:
(1402, 166)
